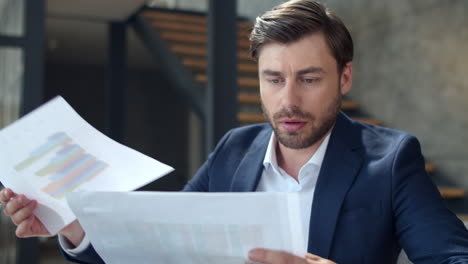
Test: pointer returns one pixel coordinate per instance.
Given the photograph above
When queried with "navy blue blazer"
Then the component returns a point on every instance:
(373, 195)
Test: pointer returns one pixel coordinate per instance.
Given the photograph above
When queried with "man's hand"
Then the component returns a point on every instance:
(21, 211)
(266, 256)
(314, 259)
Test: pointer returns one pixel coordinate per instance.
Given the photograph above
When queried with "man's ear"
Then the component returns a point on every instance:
(346, 79)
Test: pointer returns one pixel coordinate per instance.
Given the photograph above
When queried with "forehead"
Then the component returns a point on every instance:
(309, 51)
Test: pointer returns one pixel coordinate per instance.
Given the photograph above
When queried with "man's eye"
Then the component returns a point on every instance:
(273, 80)
(310, 80)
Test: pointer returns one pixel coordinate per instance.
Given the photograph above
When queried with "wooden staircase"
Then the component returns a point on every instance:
(186, 35)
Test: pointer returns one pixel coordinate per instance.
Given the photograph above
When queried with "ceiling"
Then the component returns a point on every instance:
(92, 9)
(77, 31)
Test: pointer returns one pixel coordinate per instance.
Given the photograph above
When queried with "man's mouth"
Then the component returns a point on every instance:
(292, 125)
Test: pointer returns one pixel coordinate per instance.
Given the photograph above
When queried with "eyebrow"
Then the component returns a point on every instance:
(271, 73)
(311, 70)
(300, 72)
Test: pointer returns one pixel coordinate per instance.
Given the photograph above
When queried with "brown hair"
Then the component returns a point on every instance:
(295, 19)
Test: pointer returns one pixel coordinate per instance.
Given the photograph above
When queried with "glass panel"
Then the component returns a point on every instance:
(12, 17)
(11, 84)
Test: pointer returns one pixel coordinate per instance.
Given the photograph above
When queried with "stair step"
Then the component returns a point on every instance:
(201, 64)
(167, 26)
(248, 82)
(367, 120)
(175, 16)
(201, 51)
(249, 118)
(349, 105)
(248, 67)
(173, 25)
(241, 81)
(244, 98)
(195, 39)
(182, 17)
(451, 192)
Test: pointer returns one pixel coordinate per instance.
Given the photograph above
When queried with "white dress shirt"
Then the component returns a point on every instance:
(273, 179)
(70, 249)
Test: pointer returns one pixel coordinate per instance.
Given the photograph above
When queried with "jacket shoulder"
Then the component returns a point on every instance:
(380, 139)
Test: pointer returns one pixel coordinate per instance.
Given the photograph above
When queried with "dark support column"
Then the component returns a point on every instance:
(116, 89)
(221, 97)
(27, 250)
(34, 55)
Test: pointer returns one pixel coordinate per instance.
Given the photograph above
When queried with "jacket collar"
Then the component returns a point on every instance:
(339, 169)
(252, 163)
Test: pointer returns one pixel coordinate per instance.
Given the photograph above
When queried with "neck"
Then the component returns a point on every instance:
(292, 160)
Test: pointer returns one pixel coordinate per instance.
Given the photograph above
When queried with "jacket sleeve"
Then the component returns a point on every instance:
(88, 256)
(200, 182)
(426, 229)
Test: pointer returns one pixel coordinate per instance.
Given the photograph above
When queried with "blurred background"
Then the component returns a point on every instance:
(170, 77)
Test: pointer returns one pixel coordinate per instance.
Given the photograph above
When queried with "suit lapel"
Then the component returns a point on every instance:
(339, 168)
(250, 169)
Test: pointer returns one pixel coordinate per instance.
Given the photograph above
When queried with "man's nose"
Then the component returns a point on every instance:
(291, 96)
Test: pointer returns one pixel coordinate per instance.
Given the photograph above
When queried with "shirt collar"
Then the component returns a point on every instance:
(316, 159)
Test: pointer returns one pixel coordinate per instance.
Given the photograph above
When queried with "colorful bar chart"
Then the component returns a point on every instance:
(69, 167)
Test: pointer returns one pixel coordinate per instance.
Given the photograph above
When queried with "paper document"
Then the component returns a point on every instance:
(53, 151)
(199, 228)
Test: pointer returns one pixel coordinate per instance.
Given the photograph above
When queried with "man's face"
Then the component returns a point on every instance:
(301, 89)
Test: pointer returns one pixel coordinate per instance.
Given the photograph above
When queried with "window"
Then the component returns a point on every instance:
(12, 18)
(11, 83)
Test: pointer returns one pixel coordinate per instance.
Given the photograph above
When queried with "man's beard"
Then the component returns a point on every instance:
(313, 132)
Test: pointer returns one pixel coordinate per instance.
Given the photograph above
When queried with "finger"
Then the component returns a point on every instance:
(5, 195)
(314, 259)
(15, 204)
(24, 228)
(36, 228)
(31, 227)
(310, 256)
(274, 257)
(24, 212)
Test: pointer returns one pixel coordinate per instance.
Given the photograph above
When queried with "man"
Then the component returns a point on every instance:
(364, 191)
